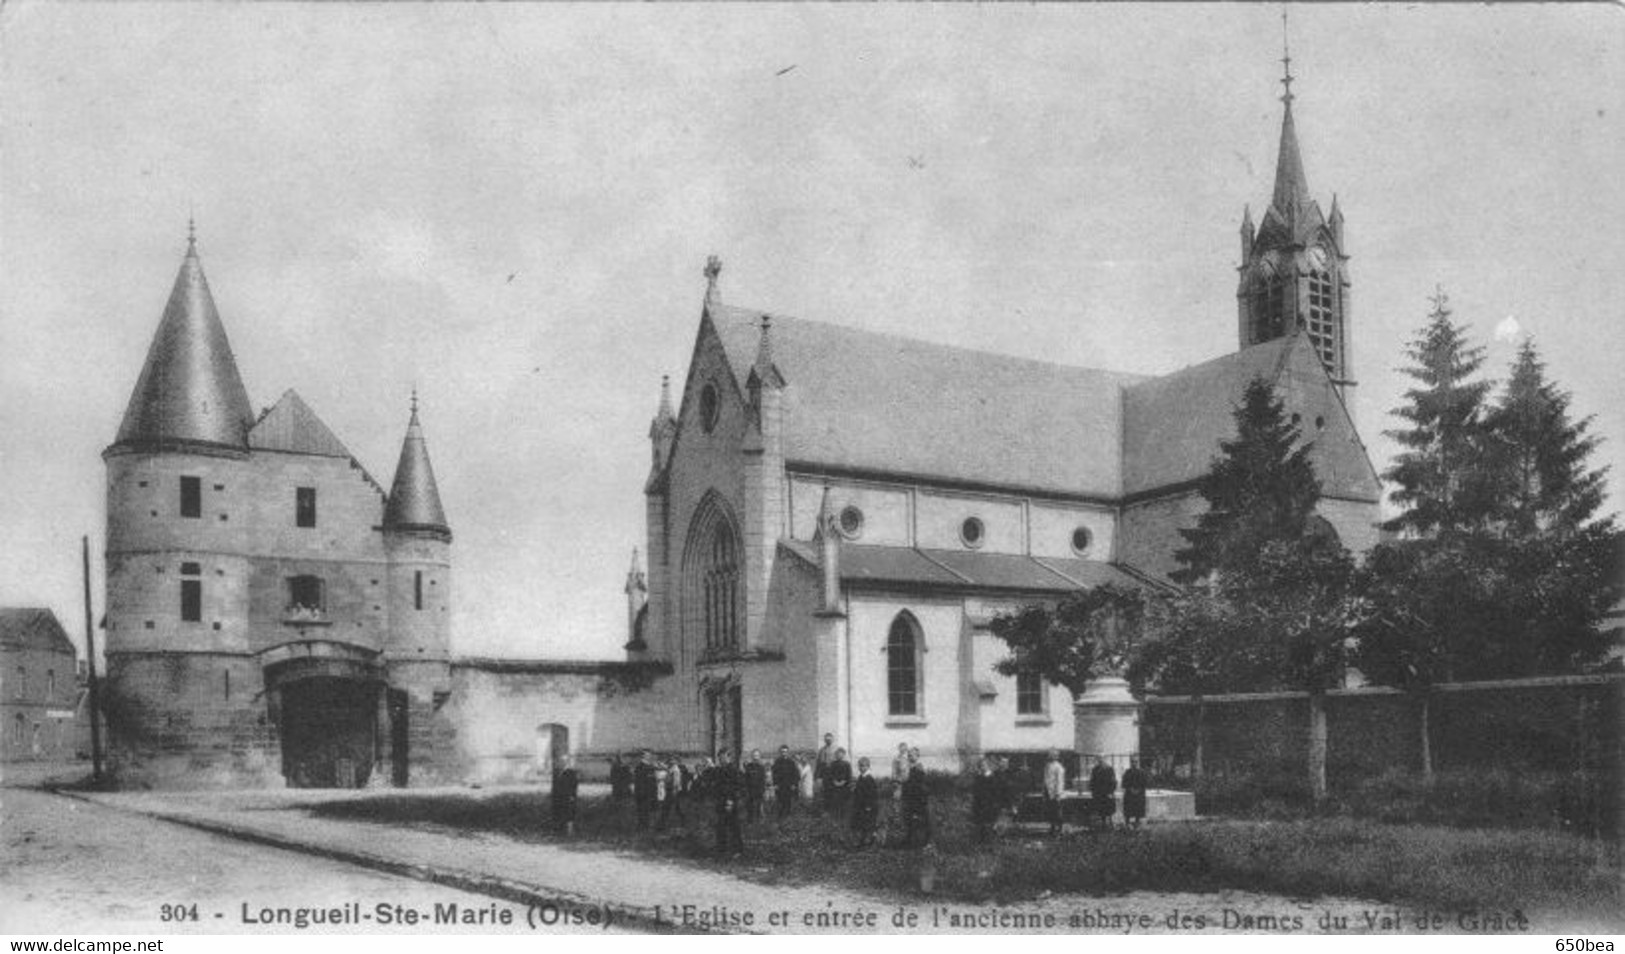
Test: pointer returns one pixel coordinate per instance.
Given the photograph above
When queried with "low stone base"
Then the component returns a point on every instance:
(1162, 804)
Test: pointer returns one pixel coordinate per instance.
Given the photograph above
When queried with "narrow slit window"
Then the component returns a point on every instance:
(191, 593)
(417, 590)
(304, 507)
(191, 497)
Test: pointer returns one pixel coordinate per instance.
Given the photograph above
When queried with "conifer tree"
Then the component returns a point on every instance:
(1442, 477)
(1260, 488)
(1540, 454)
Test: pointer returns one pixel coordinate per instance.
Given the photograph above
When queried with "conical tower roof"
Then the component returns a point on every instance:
(189, 391)
(414, 499)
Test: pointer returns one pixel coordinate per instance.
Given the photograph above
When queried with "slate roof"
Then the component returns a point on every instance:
(189, 390)
(966, 569)
(292, 427)
(27, 627)
(1172, 424)
(861, 400)
(414, 498)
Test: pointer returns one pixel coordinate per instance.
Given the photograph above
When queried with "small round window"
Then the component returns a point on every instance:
(709, 407)
(972, 531)
(851, 522)
(1081, 538)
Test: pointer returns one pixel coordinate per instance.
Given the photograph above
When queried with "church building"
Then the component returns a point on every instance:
(835, 515)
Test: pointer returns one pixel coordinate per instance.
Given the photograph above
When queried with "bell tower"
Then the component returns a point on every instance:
(1294, 265)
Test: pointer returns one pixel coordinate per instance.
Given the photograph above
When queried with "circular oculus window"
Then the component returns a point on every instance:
(710, 406)
(850, 522)
(1081, 538)
(972, 531)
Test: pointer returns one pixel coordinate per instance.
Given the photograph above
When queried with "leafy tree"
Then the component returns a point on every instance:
(1197, 644)
(1539, 454)
(1430, 603)
(1084, 636)
(1300, 610)
(1440, 477)
(1261, 487)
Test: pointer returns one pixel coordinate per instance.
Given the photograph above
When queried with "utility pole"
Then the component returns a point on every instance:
(90, 654)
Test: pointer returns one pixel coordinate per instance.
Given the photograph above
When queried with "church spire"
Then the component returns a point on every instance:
(1291, 185)
(414, 499)
(189, 391)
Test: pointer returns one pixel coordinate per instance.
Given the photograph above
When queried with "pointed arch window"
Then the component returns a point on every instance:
(903, 647)
(711, 581)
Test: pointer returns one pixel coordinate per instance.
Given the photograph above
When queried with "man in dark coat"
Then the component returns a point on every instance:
(865, 806)
(916, 808)
(620, 780)
(1134, 783)
(727, 789)
(645, 789)
(755, 786)
(786, 778)
(987, 799)
(566, 783)
(1102, 792)
(837, 784)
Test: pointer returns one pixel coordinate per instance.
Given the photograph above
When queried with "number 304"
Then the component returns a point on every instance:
(177, 912)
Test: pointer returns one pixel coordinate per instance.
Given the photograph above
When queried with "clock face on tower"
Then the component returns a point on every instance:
(1317, 259)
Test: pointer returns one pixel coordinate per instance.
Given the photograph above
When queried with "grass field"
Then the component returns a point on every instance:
(1409, 863)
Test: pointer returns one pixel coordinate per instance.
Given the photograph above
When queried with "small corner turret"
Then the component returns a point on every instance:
(414, 499)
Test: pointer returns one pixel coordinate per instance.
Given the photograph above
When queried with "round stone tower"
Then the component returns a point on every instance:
(180, 674)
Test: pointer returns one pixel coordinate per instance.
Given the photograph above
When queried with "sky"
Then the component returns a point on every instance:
(509, 207)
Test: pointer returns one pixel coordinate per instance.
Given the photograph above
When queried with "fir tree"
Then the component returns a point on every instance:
(1441, 477)
(1262, 487)
(1540, 454)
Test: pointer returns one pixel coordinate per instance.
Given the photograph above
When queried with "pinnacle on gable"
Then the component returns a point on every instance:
(764, 371)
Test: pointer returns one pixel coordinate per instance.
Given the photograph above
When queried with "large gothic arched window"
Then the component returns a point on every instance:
(711, 591)
(903, 667)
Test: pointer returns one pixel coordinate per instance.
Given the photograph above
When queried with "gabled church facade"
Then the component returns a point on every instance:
(835, 515)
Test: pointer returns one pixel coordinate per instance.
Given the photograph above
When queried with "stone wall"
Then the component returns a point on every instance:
(1549, 724)
(189, 720)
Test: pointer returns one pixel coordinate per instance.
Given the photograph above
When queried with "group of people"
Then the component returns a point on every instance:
(1102, 804)
(738, 790)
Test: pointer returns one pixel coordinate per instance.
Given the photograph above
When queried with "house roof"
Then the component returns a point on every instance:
(27, 627)
(861, 400)
(291, 426)
(965, 569)
(189, 390)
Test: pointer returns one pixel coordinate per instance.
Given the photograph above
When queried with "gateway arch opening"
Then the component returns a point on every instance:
(329, 732)
(336, 717)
